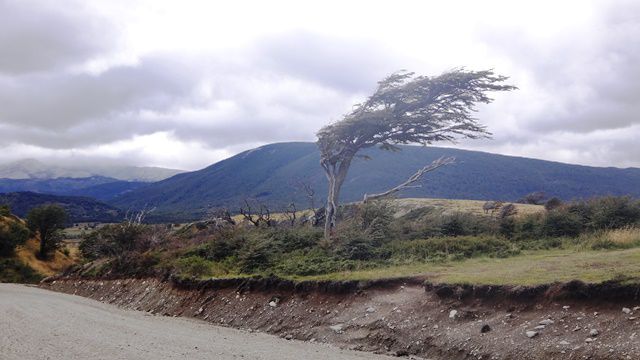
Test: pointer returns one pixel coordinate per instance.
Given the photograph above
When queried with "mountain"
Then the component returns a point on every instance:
(270, 173)
(98, 187)
(79, 209)
(34, 169)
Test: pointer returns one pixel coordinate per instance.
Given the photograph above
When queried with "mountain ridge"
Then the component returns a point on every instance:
(34, 169)
(269, 173)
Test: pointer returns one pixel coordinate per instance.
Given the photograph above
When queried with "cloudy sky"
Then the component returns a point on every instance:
(184, 83)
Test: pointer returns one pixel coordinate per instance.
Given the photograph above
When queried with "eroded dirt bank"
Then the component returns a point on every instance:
(400, 317)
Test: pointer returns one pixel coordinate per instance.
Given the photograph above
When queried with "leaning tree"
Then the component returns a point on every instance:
(405, 109)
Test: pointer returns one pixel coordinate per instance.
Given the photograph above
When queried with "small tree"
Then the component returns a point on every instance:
(404, 109)
(47, 220)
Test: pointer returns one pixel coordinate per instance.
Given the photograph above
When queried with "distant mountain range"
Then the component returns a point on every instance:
(100, 182)
(79, 209)
(98, 187)
(270, 174)
(33, 169)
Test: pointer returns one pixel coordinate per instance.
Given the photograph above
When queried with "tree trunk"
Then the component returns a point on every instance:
(43, 245)
(336, 174)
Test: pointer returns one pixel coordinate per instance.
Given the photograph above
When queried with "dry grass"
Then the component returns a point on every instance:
(449, 206)
(611, 239)
(58, 262)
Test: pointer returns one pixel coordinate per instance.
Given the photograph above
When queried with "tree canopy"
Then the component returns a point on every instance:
(406, 109)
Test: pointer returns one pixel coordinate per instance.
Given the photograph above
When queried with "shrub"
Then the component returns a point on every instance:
(5, 210)
(12, 235)
(114, 239)
(194, 266)
(553, 204)
(133, 264)
(563, 223)
(313, 262)
(612, 212)
(13, 271)
(255, 256)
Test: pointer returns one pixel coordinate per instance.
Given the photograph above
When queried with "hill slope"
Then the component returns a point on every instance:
(79, 209)
(269, 173)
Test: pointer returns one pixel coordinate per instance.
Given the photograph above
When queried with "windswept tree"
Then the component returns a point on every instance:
(405, 109)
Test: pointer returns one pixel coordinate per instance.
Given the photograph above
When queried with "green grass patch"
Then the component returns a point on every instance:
(529, 268)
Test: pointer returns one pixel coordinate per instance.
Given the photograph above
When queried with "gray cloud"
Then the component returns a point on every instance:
(38, 36)
(577, 100)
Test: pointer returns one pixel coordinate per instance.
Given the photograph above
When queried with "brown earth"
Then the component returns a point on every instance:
(401, 316)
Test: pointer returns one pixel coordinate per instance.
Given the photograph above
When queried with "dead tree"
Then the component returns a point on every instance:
(404, 109)
(310, 193)
(258, 216)
(411, 180)
(290, 212)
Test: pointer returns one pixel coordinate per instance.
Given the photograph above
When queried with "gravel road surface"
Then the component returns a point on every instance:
(41, 324)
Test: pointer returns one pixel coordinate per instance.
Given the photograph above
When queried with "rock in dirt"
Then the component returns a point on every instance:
(546, 322)
(594, 332)
(337, 328)
(371, 310)
(453, 314)
(485, 328)
(626, 310)
(531, 334)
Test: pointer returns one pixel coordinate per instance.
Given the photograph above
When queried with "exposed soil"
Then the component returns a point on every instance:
(402, 317)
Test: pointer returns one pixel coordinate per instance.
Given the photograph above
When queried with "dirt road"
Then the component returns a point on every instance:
(40, 324)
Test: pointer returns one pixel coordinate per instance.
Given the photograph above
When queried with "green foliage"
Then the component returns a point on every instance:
(114, 239)
(456, 248)
(314, 262)
(5, 210)
(13, 235)
(562, 223)
(132, 264)
(194, 266)
(14, 271)
(368, 236)
(47, 221)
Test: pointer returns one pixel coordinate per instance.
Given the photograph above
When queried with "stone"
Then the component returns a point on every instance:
(273, 303)
(626, 310)
(337, 328)
(371, 310)
(594, 332)
(546, 322)
(485, 328)
(589, 340)
(531, 334)
(288, 337)
(539, 327)
(564, 343)
(453, 314)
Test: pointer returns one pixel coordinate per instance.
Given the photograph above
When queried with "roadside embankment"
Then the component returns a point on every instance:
(399, 316)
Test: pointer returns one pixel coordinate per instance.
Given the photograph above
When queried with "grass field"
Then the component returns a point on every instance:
(449, 206)
(530, 268)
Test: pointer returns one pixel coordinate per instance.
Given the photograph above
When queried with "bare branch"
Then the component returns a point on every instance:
(412, 179)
